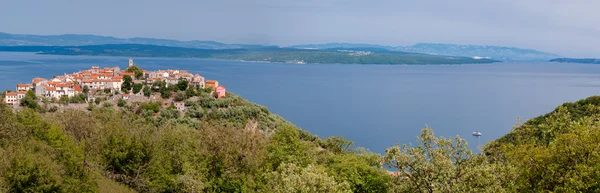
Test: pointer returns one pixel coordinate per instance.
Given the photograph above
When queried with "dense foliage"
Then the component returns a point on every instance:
(219, 145)
(556, 152)
(232, 145)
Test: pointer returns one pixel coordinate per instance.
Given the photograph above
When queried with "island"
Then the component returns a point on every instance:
(261, 54)
(576, 60)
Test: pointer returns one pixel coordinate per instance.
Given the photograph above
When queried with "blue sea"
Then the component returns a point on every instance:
(376, 106)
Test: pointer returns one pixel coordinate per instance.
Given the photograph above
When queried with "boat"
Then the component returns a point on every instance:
(477, 133)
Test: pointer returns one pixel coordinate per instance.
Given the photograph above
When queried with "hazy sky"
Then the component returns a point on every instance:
(566, 27)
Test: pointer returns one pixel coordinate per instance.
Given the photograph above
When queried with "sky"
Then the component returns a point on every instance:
(565, 27)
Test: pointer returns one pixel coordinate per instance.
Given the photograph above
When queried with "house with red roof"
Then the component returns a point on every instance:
(212, 84)
(11, 98)
(24, 87)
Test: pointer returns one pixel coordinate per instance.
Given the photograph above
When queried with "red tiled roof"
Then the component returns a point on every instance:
(221, 87)
(36, 80)
(23, 85)
(211, 81)
(21, 92)
(11, 94)
(64, 85)
(77, 88)
(50, 88)
(87, 81)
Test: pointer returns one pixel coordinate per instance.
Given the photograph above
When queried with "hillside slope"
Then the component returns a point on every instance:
(218, 145)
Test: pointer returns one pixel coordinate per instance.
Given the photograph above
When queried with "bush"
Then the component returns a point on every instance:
(30, 103)
(165, 93)
(154, 107)
(137, 87)
(147, 91)
(53, 109)
(121, 103)
(180, 96)
(64, 100)
(107, 104)
(190, 93)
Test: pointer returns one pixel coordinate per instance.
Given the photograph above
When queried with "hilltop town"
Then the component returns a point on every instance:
(111, 85)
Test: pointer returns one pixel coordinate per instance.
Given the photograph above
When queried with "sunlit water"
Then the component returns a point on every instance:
(375, 106)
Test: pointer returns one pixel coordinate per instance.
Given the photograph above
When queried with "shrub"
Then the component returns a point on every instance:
(121, 103)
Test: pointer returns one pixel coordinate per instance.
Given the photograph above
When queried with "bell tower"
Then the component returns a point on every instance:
(130, 62)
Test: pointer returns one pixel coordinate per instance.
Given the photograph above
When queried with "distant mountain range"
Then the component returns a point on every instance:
(83, 40)
(577, 60)
(472, 51)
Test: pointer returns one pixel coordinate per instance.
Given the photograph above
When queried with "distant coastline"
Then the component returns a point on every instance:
(576, 60)
(272, 54)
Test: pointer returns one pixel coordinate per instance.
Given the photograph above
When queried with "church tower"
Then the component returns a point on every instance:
(130, 62)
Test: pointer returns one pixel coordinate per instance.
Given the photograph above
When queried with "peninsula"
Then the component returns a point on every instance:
(576, 60)
(262, 54)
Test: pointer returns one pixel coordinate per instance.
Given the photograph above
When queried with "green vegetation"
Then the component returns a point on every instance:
(137, 87)
(137, 71)
(556, 152)
(267, 54)
(233, 145)
(341, 57)
(127, 83)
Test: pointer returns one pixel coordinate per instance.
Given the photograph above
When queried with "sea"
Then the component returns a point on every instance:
(375, 106)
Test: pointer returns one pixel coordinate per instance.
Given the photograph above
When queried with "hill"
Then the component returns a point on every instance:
(555, 152)
(492, 52)
(217, 145)
(267, 54)
(232, 145)
(576, 60)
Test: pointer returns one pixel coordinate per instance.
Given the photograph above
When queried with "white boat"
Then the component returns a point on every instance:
(477, 133)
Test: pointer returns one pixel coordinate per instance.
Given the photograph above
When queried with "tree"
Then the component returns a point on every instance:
(86, 89)
(137, 71)
(291, 178)
(137, 87)
(127, 83)
(180, 96)
(29, 102)
(190, 93)
(182, 84)
(165, 93)
(31, 95)
(444, 165)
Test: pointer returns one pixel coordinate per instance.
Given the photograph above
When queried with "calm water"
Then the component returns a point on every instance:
(374, 106)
